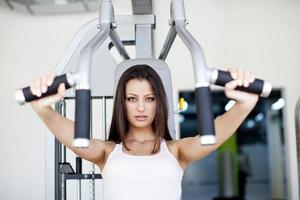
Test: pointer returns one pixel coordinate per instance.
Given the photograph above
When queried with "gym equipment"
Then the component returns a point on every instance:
(204, 75)
(64, 170)
(144, 23)
(297, 126)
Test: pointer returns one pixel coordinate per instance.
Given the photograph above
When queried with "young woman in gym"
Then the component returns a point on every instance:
(140, 160)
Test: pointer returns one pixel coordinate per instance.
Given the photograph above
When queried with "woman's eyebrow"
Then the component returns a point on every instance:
(151, 94)
(131, 94)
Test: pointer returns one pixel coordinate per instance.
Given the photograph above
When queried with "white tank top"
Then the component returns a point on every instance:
(149, 177)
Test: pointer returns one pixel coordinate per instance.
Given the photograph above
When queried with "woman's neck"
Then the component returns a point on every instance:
(140, 134)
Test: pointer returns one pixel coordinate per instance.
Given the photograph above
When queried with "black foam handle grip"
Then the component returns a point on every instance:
(205, 118)
(254, 87)
(82, 114)
(52, 89)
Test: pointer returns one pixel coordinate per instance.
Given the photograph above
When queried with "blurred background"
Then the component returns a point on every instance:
(251, 164)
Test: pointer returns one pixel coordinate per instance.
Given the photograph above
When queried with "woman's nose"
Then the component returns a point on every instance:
(141, 106)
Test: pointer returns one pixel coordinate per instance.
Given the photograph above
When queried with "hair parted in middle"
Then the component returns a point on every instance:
(119, 124)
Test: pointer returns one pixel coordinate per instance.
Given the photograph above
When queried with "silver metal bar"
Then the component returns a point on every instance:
(144, 41)
(92, 195)
(63, 186)
(168, 43)
(105, 128)
(103, 118)
(118, 44)
(82, 76)
(64, 113)
(106, 16)
(202, 72)
(59, 107)
(177, 10)
(79, 189)
(135, 19)
(92, 181)
(74, 44)
(93, 24)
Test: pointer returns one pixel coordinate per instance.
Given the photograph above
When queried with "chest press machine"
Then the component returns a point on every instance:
(81, 78)
(144, 23)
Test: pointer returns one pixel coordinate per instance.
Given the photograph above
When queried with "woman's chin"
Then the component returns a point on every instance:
(141, 124)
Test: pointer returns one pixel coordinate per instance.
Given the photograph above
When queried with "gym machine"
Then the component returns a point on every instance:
(144, 21)
(64, 171)
(204, 76)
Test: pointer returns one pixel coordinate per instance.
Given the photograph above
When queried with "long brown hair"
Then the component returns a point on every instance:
(119, 124)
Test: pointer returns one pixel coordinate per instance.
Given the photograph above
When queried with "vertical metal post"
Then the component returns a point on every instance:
(57, 174)
(78, 171)
(59, 179)
(92, 185)
(274, 152)
(143, 32)
(79, 189)
(92, 180)
(297, 124)
(63, 186)
(144, 41)
(104, 134)
(64, 110)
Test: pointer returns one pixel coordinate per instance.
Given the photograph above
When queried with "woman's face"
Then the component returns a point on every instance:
(140, 103)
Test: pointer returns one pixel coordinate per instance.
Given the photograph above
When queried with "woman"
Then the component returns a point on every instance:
(140, 161)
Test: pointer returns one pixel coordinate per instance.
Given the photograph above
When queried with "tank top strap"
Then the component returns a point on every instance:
(163, 146)
(117, 148)
(120, 147)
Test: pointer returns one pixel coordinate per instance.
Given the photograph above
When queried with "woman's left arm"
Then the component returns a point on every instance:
(190, 149)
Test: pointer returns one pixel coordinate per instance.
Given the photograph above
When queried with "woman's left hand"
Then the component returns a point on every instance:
(243, 78)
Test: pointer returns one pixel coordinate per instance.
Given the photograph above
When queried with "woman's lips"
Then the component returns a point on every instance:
(140, 117)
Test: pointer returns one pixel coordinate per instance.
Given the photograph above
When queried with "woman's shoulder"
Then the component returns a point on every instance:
(109, 146)
(173, 147)
(172, 143)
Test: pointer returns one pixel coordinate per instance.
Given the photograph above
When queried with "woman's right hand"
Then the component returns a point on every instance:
(39, 86)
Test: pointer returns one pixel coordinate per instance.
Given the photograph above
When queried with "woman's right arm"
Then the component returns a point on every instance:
(61, 127)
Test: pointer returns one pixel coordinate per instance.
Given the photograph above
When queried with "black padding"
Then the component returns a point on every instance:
(78, 165)
(205, 118)
(82, 114)
(254, 87)
(50, 91)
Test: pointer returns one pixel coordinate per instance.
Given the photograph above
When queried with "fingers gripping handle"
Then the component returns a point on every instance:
(260, 87)
(82, 118)
(205, 118)
(24, 95)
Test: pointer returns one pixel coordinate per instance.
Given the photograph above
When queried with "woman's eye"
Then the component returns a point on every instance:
(150, 99)
(131, 99)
